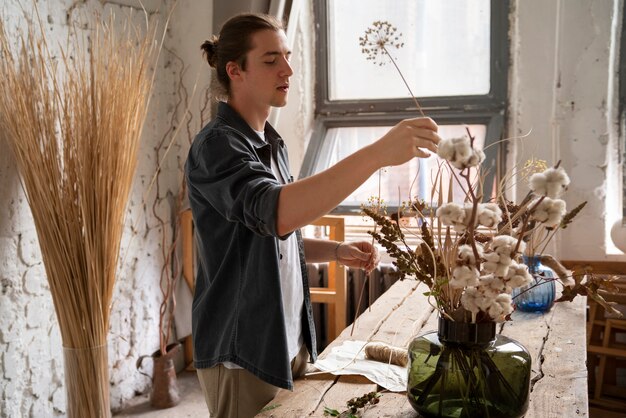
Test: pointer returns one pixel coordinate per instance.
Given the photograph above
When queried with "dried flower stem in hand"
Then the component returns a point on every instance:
(386, 354)
(376, 40)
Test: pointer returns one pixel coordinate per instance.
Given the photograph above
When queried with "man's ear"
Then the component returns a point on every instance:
(233, 70)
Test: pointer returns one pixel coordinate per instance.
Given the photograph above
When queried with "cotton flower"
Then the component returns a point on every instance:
(491, 262)
(461, 227)
(488, 214)
(459, 152)
(454, 148)
(552, 182)
(500, 307)
(502, 267)
(466, 253)
(472, 299)
(518, 276)
(453, 214)
(464, 276)
(497, 264)
(449, 213)
(504, 244)
(492, 285)
(477, 157)
(549, 211)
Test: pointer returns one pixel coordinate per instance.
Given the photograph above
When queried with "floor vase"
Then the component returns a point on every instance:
(165, 392)
(87, 382)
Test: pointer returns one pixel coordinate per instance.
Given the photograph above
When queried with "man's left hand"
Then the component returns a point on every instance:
(360, 254)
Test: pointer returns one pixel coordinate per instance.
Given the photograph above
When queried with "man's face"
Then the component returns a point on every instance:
(266, 78)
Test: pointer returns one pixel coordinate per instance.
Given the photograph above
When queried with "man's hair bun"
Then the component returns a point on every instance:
(210, 50)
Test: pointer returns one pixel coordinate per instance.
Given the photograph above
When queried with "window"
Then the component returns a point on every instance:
(454, 58)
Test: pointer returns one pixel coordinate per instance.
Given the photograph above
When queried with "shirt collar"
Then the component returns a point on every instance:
(232, 118)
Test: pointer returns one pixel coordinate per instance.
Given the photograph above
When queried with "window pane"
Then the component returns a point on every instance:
(400, 183)
(446, 48)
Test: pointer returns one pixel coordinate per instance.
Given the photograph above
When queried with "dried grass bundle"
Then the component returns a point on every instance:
(73, 123)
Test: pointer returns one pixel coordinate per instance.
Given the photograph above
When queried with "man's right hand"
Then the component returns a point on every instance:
(408, 139)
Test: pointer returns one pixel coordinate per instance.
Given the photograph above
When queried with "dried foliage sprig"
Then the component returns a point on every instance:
(354, 404)
(569, 217)
(585, 282)
(375, 44)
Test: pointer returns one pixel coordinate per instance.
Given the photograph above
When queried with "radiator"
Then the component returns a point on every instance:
(357, 287)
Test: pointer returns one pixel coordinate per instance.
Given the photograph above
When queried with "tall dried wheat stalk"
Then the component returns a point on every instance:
(73, 123)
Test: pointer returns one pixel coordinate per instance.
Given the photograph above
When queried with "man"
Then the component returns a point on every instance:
(252, 322)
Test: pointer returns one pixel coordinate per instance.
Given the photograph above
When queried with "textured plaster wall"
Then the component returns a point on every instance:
(295, 120)
(31, 355)
(560, 88)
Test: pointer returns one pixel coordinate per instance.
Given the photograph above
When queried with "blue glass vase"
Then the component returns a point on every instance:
(539, 295)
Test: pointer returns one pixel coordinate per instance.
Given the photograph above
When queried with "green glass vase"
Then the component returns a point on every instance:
(465, 370)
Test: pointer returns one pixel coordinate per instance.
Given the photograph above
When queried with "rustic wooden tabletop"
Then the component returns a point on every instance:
(556, 341)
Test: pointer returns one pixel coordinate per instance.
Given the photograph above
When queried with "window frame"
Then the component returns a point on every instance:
(621, 107)
(488, 109)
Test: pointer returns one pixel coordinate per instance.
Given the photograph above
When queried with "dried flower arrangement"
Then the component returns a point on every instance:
(470, 256)
(470, 253)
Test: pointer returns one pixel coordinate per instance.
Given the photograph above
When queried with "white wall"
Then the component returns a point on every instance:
(561, 85)
(31, 366)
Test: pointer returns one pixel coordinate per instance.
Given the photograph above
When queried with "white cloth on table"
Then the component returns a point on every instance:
(349, 358)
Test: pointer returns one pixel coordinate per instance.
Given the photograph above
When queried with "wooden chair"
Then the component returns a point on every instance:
(334, 294)
(606, 339)
(189, 258)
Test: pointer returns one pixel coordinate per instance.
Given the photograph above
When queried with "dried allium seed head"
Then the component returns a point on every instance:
(377, 41)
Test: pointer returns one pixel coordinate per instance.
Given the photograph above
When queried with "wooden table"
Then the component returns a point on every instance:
(556, 341)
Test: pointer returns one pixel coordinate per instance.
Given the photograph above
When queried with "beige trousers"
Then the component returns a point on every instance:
(237, 393)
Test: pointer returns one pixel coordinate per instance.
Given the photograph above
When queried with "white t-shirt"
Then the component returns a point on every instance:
(290, 284)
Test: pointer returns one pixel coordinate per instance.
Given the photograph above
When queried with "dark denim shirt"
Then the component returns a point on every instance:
(237, 311)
